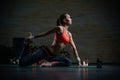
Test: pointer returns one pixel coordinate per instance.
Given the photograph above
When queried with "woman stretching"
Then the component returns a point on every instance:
(62, 37)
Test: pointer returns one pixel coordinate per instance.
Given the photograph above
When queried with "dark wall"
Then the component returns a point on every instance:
(95, 26)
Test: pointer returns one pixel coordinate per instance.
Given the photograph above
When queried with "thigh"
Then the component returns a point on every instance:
(34, 58)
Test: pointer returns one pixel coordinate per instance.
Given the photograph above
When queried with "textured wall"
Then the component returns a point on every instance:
(95, 26)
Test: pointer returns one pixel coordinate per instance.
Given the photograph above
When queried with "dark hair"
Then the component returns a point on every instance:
(60, 19)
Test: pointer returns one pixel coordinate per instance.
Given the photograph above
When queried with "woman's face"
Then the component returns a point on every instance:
(67, 20)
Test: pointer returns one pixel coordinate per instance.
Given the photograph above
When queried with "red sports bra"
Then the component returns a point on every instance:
(62, 37)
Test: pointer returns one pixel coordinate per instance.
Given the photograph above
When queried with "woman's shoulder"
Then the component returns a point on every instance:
(60, 28)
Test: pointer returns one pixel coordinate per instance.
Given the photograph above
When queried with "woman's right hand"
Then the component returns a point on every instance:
(30, 35)
(28, 40)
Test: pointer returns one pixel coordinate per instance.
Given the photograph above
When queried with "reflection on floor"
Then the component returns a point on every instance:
(14, 72)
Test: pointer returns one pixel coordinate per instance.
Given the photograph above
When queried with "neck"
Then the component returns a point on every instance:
(66, 27)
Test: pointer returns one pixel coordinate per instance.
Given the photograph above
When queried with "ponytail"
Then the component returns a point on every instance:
(58, 23)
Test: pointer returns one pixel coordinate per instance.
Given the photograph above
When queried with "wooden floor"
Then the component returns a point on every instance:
(14, 72)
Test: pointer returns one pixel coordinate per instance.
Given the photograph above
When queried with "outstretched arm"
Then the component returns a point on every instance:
(75, 50)
(42, 34)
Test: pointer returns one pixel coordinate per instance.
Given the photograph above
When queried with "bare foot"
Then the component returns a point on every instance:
(46, 64)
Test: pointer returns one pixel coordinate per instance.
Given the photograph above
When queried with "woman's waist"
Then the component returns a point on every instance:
(50, 50)
(56, 49)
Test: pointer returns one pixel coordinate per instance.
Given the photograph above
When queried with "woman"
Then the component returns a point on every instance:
(62, 37)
